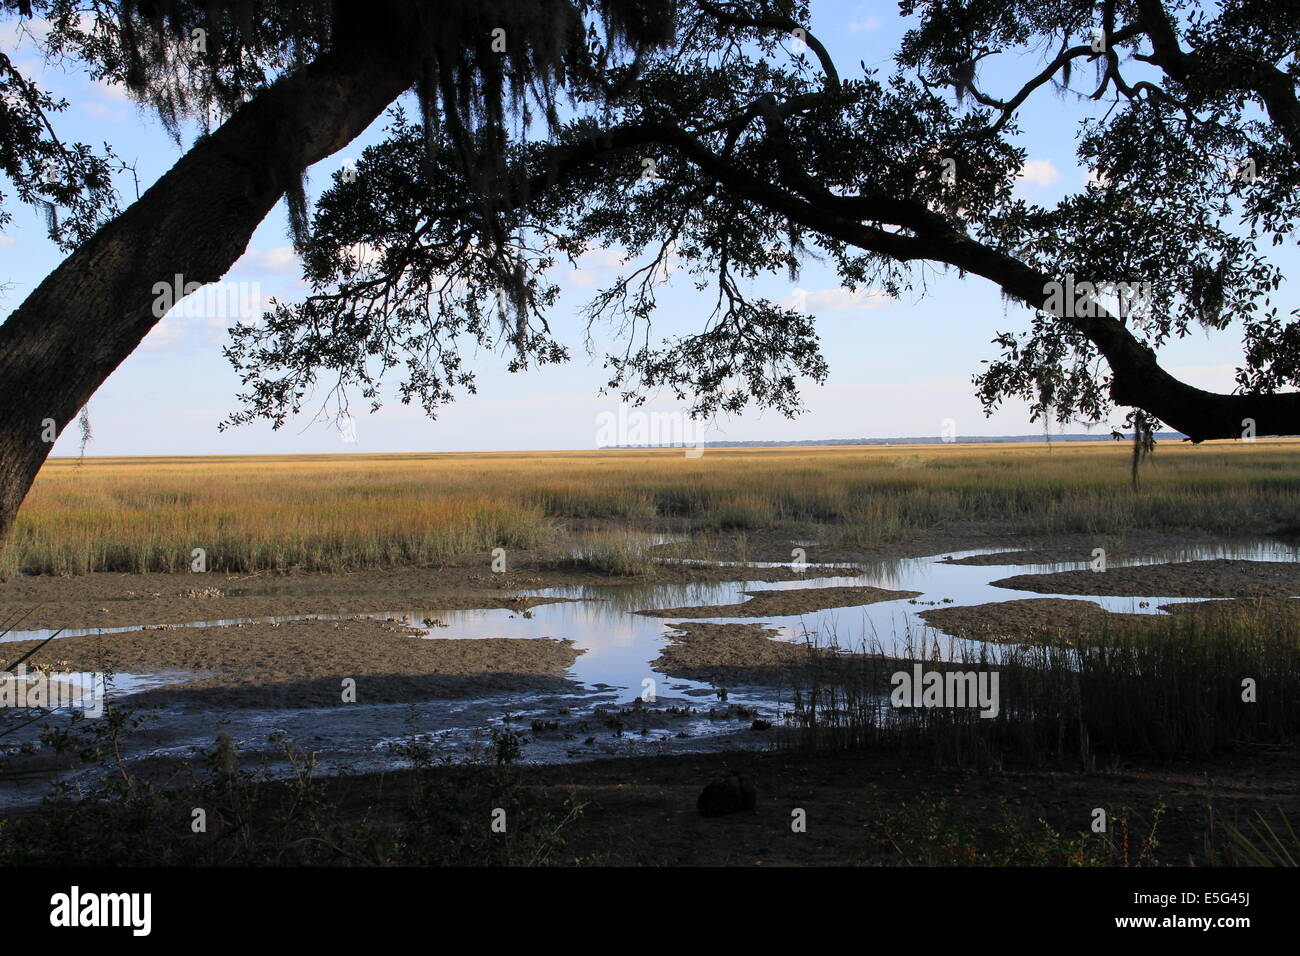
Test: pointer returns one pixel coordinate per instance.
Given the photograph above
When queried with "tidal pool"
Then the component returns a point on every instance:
(618, 647)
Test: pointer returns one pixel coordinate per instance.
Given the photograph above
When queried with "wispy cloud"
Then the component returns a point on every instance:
(593, 266)
(113, 91)
(165, 336)
(836, 300)
(1040, 172)
(278, 260)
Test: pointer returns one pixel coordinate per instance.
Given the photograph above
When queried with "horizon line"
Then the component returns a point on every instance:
(772, 446)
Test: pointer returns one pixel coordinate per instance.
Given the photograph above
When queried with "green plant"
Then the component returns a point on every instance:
(1264, 844)
(932, 833)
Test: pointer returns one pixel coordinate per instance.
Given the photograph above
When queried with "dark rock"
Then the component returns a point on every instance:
(730, 794)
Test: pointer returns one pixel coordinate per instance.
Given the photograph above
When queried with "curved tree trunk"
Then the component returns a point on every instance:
(88, 315)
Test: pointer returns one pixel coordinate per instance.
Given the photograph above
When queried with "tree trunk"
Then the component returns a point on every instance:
(88, 315)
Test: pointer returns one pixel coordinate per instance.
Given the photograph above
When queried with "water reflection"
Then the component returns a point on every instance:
(618, 649)
(619, 645)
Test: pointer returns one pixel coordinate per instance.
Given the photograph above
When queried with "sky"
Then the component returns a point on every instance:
(898, 368)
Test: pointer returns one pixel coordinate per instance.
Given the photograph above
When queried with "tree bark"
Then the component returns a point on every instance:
(88, 315)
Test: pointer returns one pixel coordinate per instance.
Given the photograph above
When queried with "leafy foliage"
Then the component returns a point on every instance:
(736, 154)
(720, 141)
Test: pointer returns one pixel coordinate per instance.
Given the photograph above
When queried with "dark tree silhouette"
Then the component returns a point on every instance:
(298, 81)
(763, 152)
(720, 136)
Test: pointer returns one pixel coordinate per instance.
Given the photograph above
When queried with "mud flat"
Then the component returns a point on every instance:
(1268, 607)
(1215, 578)
(999, 558)
(270, 651)
(123, 600)
(1032, 620)
(787, 603)
(303, 663)
(751, 654)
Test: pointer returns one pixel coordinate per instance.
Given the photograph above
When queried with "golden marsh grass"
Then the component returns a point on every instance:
(341, 512)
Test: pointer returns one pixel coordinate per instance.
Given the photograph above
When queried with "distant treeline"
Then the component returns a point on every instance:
(933, 440)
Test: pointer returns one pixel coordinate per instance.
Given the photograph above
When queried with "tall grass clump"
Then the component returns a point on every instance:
(1178, 687)
(619, 553)
(1262, 842)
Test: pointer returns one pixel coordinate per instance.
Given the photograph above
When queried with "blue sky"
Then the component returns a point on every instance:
(898, 368)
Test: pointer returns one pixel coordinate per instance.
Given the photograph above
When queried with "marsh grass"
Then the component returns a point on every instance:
(616, 552)
(348, 512)
(1263, 842)
(1170, 690)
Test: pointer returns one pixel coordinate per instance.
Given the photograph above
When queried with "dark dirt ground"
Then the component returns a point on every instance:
(641, 811)
(731, 654)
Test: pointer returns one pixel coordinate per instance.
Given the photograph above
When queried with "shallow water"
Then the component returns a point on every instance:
(618, 647)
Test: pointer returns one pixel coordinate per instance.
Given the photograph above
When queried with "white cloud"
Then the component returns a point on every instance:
(279, 260)
(20, 33)
(176, 331)
(166, 335)
(605, 258)
(113, 91)
(593, 266)
(106, 101)
(8, 241)
(671, 263)
(215, 328)
(1040, 172)
(203, 316)
(365, 253)
(836, 300)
